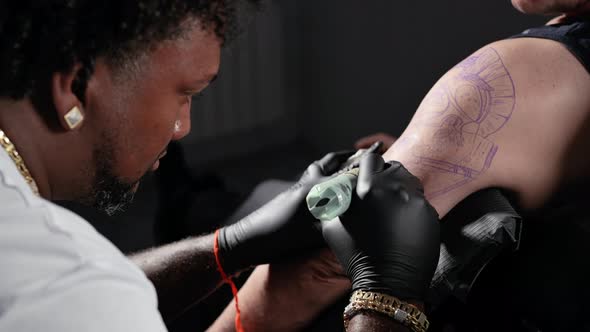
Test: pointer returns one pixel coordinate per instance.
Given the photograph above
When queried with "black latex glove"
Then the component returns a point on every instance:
(388, 241)
(283, 227)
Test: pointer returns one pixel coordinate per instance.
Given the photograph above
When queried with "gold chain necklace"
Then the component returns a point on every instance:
(18, 161)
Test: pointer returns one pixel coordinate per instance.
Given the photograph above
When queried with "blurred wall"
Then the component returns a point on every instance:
(326, 72)
(367, 64)
(253, 104)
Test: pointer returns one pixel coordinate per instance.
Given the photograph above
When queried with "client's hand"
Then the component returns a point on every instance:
(388, 241)
(281, 228)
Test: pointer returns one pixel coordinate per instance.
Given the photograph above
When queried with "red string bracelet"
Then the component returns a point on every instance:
(228, 280)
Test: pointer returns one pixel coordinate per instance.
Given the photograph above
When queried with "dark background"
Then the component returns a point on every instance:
(306, 77)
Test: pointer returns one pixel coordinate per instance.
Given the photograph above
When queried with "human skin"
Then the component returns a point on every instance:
(552, 6)
(463, 139)
(134, 113)
(367, 141)
(513, 115)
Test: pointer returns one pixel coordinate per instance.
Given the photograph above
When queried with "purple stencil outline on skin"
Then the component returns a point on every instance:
(481, 98)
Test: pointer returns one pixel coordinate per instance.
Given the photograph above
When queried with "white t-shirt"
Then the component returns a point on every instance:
(57, 273)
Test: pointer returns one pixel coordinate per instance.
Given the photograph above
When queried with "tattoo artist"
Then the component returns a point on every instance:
(91, 93)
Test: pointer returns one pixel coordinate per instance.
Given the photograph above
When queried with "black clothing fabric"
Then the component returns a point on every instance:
(541, 287)
(574, 34)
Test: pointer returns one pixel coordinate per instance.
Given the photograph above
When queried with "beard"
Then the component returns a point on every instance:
(109, 193)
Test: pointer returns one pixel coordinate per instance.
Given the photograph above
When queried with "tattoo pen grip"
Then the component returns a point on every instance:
(330, 199)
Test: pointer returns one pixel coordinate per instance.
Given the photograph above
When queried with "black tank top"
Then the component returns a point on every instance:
(574, 33)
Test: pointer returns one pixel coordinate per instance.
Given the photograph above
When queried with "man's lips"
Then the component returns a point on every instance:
(162, 154)
(157, 162)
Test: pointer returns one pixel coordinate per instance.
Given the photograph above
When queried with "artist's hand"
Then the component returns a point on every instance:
(388, 241)
(367, 141)
(280, 229)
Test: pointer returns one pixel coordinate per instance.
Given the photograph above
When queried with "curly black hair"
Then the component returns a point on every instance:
(41, 37)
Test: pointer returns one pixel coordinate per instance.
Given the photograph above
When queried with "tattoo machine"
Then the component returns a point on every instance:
(331, 198)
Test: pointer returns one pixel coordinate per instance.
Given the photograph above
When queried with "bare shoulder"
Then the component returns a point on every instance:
(508, 115)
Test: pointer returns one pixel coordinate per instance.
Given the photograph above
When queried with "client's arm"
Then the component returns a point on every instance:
(511, 115)
(551, 6)
(452, 142)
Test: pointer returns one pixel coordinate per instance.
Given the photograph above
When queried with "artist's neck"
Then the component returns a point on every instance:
(44, 153)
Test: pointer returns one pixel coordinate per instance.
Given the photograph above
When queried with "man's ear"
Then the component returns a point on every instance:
(68, 106)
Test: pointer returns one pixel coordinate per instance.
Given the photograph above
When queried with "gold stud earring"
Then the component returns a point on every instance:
(74, 117)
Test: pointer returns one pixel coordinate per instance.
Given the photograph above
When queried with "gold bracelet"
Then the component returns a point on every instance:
(391, 306)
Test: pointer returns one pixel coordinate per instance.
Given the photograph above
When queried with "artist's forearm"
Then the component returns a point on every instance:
(368, 321)
(372, 321)
(183, 273)
(287, 296)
